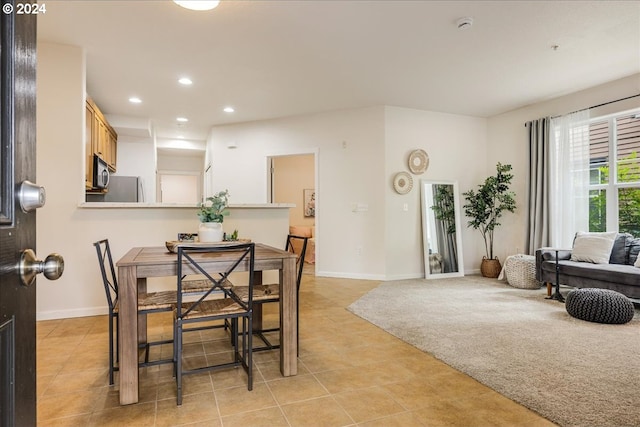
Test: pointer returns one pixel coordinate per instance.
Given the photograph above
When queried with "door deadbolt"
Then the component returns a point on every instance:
(30, 266)
(31, 196)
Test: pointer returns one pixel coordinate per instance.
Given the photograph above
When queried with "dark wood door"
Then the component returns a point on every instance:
(17, 228)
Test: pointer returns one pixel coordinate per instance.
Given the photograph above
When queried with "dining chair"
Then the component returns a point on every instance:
(270, 293)
(151, 302)
(206, 308)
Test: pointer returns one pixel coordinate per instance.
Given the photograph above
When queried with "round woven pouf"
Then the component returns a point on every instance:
(520, 271)
(599, 305)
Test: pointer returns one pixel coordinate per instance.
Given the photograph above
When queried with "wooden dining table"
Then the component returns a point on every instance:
(140, 263)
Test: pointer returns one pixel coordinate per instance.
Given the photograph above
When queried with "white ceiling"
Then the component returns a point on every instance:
(281, 58)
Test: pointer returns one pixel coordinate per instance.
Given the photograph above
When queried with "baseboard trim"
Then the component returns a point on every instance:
(360, 276)
(65, 314)
(350, 275)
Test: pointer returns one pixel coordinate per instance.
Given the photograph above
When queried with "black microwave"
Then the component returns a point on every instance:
(100, 172)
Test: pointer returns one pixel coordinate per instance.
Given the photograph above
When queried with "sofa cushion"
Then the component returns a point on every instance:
(593, 247)
(620, 274)
(619, 251)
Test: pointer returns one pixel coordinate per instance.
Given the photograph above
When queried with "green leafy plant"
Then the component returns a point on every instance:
(215, 211)
(486, 205)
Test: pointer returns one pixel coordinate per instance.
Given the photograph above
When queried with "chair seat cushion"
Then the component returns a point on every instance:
(600, 306)
(157, 300)
(260, 292)
(213, 308)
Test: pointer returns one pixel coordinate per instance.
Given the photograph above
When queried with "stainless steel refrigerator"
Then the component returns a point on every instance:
(125, 189)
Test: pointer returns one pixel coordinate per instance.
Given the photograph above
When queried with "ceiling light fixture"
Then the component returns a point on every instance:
(185, 81)
(135, 100)
(182, 119)
(464, 23)
(228, 109)
(197, 4)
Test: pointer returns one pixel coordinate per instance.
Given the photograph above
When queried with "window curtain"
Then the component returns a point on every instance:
(569, 157)
(538, 231)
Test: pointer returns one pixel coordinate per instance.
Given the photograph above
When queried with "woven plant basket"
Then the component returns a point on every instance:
(490, 267)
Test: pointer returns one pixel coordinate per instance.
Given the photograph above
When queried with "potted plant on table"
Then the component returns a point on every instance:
(485, 206)
(211, 216)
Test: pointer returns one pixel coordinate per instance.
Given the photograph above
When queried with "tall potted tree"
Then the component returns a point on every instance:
(211, 217)
(485, 207)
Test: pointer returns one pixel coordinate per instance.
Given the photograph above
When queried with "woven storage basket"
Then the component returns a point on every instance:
(521, 271)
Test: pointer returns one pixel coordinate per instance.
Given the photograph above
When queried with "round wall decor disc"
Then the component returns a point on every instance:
(418, 161)
(402, 183)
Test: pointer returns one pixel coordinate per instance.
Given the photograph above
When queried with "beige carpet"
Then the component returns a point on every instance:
(572, 372)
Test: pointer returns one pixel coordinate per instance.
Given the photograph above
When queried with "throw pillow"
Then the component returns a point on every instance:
(634, 250)
(619, 250)
(593, 247)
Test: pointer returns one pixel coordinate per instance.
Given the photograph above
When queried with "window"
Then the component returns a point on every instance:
(614, 186)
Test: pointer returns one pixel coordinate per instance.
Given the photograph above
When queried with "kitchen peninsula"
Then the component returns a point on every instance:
(261, 222)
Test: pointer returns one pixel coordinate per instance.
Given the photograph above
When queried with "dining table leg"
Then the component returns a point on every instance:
(128, 330)
(289, 314)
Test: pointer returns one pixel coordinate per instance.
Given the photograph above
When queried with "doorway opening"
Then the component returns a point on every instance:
(179, 187)
(292, 179)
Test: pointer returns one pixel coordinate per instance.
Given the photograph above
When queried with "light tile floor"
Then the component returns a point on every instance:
(351, 373)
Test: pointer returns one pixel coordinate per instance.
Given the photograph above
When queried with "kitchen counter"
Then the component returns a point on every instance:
(139, 205)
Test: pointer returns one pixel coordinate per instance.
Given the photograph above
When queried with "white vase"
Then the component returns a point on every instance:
(210, 232)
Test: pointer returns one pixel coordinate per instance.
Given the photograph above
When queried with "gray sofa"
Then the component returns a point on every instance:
(619, 275)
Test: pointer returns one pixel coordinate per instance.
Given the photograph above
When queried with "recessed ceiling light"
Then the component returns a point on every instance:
(182, 119)
(185, 81)
(228, 110)
(135, 100)
(197, 4)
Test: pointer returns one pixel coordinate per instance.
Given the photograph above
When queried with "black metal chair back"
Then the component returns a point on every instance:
(154, 302)
(301, 253)
(228, 306)
(108, 271)
(188, 264)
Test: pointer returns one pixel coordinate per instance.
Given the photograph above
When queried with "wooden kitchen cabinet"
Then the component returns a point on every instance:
(100, 139)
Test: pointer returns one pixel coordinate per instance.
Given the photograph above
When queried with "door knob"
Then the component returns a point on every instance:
(30, 266)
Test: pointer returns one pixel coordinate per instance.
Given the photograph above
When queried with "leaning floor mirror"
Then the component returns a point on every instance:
(441, 238)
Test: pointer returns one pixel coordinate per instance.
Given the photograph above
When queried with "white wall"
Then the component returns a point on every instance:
(508, 140)
(457, 147)
(137, 159)
(65, 228)
(172, 162)
(359, 153)
(350, 158)
(292, 175)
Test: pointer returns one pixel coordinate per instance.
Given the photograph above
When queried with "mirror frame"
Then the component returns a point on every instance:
(425, 186)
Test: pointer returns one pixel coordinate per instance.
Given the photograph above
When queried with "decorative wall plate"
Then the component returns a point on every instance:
(418, 161)
(402, 183)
